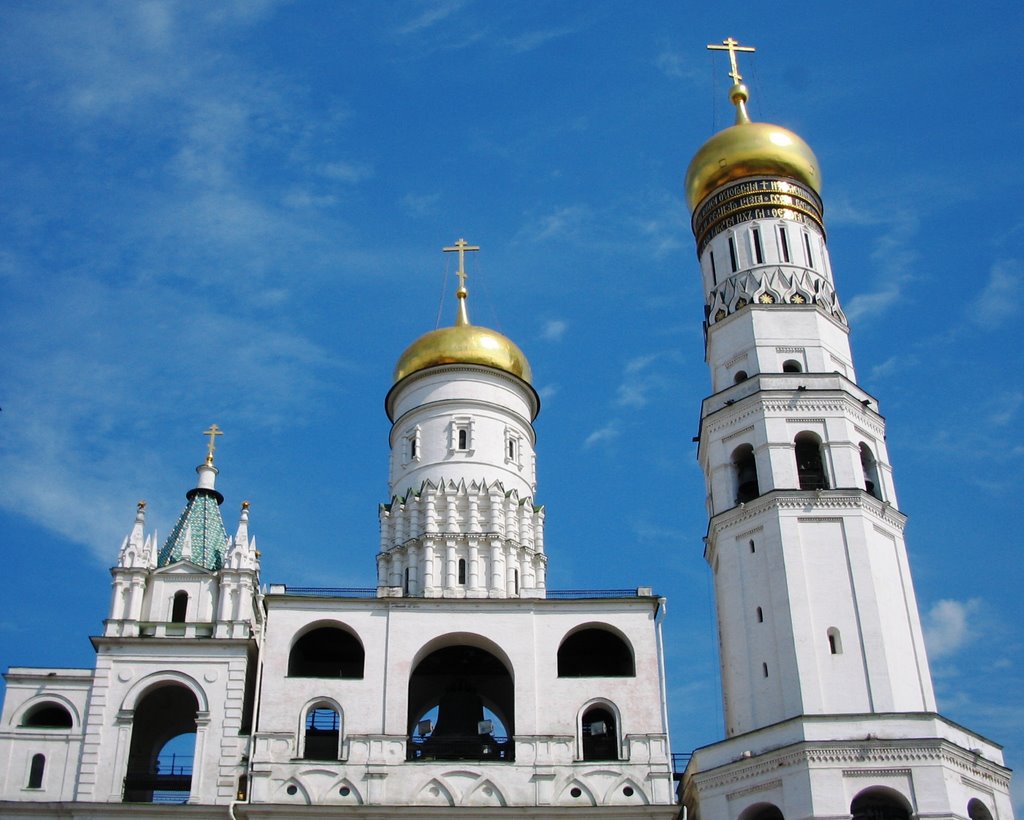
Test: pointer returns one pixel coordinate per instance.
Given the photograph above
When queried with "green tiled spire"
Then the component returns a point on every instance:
(199, 536)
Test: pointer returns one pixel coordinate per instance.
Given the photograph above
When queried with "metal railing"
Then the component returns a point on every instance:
(460, 747)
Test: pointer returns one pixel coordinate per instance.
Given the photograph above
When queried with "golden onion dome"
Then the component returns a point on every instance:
(463, 343)
(749, 149)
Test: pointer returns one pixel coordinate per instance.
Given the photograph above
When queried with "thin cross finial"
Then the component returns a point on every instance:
(461, 246)
(213, 432)
(732, 46)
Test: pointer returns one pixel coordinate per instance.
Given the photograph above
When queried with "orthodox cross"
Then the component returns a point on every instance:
(732, 46)
(213, 432)
(461, 246)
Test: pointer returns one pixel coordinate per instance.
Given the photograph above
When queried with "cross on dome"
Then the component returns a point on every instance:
(461, 247)
(732, 46)
(213, 432)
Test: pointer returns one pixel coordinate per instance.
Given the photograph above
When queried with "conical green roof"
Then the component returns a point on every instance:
(199, 536)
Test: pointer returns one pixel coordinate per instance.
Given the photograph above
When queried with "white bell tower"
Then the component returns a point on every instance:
(820, 637)
(461, 522)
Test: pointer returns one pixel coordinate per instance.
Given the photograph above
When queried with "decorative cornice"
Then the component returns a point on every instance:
(768, 287)
(795, 405)
(809, 501)
(902, 756)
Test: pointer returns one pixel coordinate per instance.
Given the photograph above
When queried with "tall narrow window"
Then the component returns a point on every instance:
(714, 270)
(512, 449)
(405, 581)
(870, 468)
(758, 251)
(180, 607)
(746, 474)
(764, 669)
(732, 254)
(413, 449)
(807, 246)
(760, 615)
(35, 772)
(600, 737)
(784, 244)
(323, 729)
(463, 439)
(462, 570)
(835, 642)
(515, 580)
(810, 465)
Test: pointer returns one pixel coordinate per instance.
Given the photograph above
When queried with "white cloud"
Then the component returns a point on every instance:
(548, 391)
(1008, 406)
(607, 433)
(554, 330)
(434, 13)
(421, 204)
(350, 172)
(867, 305)
(535, 39)
(949, 625)
(999, 300)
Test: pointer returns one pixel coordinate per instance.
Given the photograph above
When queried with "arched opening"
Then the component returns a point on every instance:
(463, 439)
(599, 734)
(870, 468)
(595, 653)
(162, 746)
(322, 733)
(745, 469)
(835, 641)
(461, 707)
(762, 811)
(35, 772)
(179, 607)
(976, 810)
(47, 715)
(462, 570)
(741, 376)
(880, 804)
(792, 366)
(326, 652)
(810, 466)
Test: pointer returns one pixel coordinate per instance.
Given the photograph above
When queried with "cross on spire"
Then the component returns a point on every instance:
(732, 46)
(461, 246)
(213, 432)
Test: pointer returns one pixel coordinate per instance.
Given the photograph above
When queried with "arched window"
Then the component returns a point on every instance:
(741, 376)
(179, 608)
(810, 466)
(461, 707)
(835, 642)
(160, 755)
(595, 653)
(599, 735)
(745, 469)
(327, 652)
(462, 570)
(762, 811)
(47, 715)
(870, 468)
(463, 439)
(880, 803)
(322, 733)
(35, 772)
(792, 366)
(976, 810)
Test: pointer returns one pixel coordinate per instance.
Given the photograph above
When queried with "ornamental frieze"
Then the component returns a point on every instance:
(763, 287)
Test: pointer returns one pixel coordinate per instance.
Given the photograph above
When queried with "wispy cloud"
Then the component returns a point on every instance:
(554, 330)
(434, 12)
(609, 432)
(999, 300)
(349, 172)
(421, 204)
(532, 40)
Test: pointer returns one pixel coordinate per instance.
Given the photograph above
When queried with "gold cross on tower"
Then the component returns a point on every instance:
(461, 246)
(213, 432)
(732, 46)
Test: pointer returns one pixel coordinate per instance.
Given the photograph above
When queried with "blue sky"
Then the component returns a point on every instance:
(233, 213)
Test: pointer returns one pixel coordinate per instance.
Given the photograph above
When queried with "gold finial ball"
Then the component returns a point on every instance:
(739, 93)
(750, 149)
(463, 344)
(245, 505)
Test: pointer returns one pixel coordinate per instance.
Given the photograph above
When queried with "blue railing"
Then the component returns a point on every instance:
(371, 592)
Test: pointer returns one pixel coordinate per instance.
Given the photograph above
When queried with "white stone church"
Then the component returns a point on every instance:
(461, 685)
